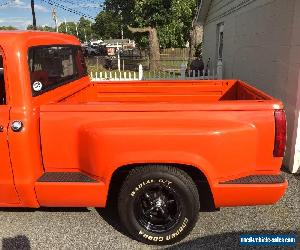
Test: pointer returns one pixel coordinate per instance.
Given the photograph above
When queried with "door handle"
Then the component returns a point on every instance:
(1, 129)
(16, 126)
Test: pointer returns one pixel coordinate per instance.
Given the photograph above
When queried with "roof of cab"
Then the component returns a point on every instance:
(34, 38)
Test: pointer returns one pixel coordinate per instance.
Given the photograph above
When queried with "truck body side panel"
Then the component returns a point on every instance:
(223, 145)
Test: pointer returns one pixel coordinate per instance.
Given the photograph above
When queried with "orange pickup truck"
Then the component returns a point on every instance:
(160, 149)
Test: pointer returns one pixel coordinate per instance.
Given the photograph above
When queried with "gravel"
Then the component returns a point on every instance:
(89, 228)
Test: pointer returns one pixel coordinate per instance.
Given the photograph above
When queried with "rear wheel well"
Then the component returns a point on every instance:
(205, 194)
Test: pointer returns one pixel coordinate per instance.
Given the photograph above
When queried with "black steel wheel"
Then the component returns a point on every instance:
(158, 204)
(158, 208)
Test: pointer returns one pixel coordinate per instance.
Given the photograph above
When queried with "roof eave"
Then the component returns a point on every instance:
(204, 9)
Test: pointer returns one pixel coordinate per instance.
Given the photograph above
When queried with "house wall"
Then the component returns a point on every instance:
(261, 47)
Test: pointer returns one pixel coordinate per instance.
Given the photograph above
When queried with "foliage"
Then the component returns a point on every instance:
(69, 28)
(84, 28)
(7, 28)
(41, 28)
(172, 18)
(108, 25)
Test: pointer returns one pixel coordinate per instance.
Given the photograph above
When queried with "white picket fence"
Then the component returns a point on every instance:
(181, 74)
(118, 75)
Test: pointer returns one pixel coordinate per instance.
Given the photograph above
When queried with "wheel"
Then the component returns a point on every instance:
(158, 205)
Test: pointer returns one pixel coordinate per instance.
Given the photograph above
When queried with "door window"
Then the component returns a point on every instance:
(54, 66)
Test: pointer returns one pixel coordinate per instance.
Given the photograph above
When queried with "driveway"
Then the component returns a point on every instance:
(89, 228)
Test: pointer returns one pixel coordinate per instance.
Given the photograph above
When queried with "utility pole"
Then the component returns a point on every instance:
(76, 26)
(122, 30)
(85, 35)
(91, 34)
(54, 16)
(33, 15)
(66, 25)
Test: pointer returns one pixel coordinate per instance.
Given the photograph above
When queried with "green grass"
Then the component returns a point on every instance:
(172, 64)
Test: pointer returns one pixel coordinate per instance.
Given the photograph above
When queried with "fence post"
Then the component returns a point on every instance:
(141, 72)
(220, 70)
(97, 63)
(119, 59)
(182, 70)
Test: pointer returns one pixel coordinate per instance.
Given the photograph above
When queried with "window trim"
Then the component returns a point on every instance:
(4, 78)
(54, 86)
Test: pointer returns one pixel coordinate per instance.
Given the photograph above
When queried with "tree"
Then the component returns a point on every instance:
(68, 28)
(7, 28)
(108, 25)
(33, 15)
(167, 22)
(196, 36)
(41, 28)
(154, 45)
(81, 29)
(85, 32)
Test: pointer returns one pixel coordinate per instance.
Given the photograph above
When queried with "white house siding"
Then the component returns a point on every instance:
(262, 47)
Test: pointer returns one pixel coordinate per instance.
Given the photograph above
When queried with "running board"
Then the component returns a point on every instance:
(70, 189)
(257, 179)
(65, 177)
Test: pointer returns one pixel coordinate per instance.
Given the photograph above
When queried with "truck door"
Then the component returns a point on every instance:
(8, 194)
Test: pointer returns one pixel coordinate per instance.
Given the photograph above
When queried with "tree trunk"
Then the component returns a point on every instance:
(33, 15)
(195, 39)
(153, 43)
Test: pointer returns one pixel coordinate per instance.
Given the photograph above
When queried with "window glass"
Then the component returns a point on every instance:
(220, 36)
(2, 83)
(220, 51)
(53, 66)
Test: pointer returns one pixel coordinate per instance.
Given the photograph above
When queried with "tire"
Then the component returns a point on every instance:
(158, 205)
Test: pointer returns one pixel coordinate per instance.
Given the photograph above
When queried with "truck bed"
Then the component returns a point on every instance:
(166, 91)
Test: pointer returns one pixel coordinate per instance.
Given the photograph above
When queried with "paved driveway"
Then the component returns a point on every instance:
(97, 229)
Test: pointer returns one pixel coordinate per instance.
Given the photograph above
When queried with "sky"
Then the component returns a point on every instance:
(17, 13)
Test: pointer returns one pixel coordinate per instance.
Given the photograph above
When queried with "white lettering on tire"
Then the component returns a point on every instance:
(168, 183)
(168, 237)
(144, 183)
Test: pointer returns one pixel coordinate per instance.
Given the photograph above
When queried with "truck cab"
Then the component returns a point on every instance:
(66, 141)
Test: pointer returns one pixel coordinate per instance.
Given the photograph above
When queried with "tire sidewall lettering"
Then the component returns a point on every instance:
(142, 184)
(169, 237)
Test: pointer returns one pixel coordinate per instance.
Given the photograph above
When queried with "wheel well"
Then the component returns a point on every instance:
(205, 194)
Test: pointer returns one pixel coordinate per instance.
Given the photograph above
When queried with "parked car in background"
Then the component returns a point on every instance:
(95, 50)
(92, 51)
